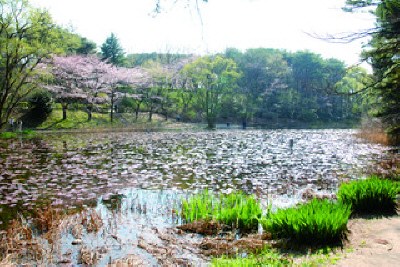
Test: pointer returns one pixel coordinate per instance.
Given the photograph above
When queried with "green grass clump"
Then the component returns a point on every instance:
(198, 207)
(8, 135)
(316, 223)
(236, 209)
(370, 196)
(242, 211)
(265, 258)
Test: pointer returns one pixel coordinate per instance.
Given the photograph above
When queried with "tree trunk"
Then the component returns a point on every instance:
(137, 111)
(89, 112)
(112, 107)
(64, 111)
(151, 113)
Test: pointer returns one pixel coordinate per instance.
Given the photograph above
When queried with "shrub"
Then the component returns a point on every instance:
(236, 209)
(370, 196)
(318, 222)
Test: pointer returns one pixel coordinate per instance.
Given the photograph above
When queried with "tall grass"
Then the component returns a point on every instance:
(242, 211)
(370, 196)
(199, 206)
(236, 209)
(318, 222)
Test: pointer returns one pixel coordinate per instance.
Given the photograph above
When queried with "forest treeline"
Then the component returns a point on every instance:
(261, 86)
(42, 63)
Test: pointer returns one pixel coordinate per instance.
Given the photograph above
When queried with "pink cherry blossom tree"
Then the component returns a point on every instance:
(88, 80)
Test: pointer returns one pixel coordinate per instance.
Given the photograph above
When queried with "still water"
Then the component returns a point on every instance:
(149, 173)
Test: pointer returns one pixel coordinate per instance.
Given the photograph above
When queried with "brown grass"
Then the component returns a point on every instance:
(377, 136)
(17, 243)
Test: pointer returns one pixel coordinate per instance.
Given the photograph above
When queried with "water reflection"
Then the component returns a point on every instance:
(134, 182)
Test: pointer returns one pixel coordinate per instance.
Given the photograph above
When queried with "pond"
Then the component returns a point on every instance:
(133, 183)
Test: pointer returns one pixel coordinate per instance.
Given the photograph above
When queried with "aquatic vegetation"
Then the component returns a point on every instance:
(18, 242)
(267, 257)
(370, 196)
(113, 201)
(235, 209)
(199, 206)
(240, 210)
(47, 218)
(155, 170)
(318, 222)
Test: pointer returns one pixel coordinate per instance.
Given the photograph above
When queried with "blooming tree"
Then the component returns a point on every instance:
(88, 80)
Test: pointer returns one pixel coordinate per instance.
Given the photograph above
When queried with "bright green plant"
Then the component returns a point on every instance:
(240, 210)
(318, 222)
(370, 196)
(7, 135)
(199, 206)
(265, 258)
(236, 209)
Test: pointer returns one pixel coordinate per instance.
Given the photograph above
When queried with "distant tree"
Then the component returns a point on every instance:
(112, 51)
(27, 37)
(354, 104)
(86, 47)
(88, 80)
(214, 77)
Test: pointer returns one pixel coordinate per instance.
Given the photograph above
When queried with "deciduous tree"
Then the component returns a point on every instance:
(27, 37)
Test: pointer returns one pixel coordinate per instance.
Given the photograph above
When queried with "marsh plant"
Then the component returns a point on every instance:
(318, 222)
(370, 196)
(235, 209)
(266, 258)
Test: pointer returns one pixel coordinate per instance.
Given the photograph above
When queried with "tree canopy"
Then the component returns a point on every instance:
(27, 37)
(383, 53)
(112, 51)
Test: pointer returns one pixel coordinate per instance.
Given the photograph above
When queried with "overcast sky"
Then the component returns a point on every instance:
(242, 24)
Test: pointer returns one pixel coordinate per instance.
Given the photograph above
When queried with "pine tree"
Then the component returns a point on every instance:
(112, 51)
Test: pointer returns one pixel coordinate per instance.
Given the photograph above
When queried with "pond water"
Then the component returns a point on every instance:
(151, 172)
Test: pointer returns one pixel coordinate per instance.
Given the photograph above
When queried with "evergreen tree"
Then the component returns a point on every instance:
(112, 51)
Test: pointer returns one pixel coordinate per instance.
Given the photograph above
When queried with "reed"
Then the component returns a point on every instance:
(318, 222)
(370, 196)
(236, 209)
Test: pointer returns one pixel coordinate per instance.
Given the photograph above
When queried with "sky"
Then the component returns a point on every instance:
(243, 24)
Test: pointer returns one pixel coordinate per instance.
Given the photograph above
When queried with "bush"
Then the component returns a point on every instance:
(319, 222)
(41, 103)
(370, 196)
(236, 209)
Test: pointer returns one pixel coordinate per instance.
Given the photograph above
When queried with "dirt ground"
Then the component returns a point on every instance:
(372, 242)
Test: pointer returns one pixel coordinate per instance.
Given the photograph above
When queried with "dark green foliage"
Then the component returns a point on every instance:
(370, 196)
(319, 222)
(86, 47)
(41, 105)
(383, 54)
(112, 51)
(236, 209)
